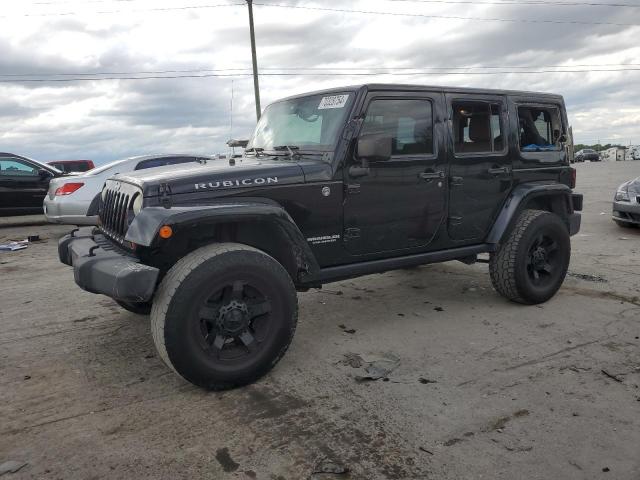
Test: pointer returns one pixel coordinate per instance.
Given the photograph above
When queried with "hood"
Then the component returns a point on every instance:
(246, 173)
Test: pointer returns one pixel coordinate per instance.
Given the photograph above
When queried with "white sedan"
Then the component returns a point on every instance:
(74, 200)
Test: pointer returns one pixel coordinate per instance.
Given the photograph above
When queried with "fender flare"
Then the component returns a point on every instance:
(145, 226)
(516, 201)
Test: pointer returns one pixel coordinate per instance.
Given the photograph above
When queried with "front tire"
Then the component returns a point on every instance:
(224, 315)
(531, 265)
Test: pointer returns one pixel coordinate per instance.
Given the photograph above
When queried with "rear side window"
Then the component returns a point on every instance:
(408, 122)
(15, 167)
(540, 128)
(161, 162)
(477, 127)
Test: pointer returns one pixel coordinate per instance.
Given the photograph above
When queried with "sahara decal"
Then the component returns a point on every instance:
(245, 182)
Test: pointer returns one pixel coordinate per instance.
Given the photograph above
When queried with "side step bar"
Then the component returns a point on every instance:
(343, 272)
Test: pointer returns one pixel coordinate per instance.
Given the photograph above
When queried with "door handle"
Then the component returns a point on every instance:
(498, 170)
(432, 175)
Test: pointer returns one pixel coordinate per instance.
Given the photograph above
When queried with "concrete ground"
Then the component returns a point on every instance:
(482, 388)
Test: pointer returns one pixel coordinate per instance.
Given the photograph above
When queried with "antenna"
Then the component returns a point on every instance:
(233, 149)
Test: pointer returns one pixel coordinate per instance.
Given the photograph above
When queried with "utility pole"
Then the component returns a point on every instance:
(256, 85)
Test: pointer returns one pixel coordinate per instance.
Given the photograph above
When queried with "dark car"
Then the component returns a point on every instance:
(587, 154)
(333, 185)
(73, 166)
(23, 183)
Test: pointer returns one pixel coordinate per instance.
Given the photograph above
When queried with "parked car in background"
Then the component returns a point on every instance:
(24, 183)
(626, 204)
(73, 166)
(587, 154)
(74, 200)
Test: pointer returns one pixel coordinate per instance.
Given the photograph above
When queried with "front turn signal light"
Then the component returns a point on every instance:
(165, 232)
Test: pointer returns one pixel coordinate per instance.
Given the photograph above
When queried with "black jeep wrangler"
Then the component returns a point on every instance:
(333, 185)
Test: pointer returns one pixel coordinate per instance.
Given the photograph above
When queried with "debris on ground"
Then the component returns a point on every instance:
(353, 360)
(11, 466)
(439, 309)
(612, 376)
(374, 369)
(346, 330)
(500, 423)
(326, 465)
(452, 441)
(425, 450)
(588, 278)
(426, 380)
(13, 246)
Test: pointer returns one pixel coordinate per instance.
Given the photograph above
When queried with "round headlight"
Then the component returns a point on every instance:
(137, 204)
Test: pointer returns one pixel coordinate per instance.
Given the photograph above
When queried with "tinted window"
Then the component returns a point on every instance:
(14, 166)
(477, 127)
(540, 128)
(408, 122)
(160, 162)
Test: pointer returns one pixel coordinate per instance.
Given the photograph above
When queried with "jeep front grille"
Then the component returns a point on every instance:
(115, 210)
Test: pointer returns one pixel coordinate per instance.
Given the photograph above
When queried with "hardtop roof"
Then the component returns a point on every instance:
(430, 88)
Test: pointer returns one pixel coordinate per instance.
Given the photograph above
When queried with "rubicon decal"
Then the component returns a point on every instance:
(245, 182)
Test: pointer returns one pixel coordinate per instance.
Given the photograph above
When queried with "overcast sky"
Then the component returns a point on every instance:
(110, 119)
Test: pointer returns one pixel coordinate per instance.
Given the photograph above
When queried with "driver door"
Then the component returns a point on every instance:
(21, 185)
(396, 193)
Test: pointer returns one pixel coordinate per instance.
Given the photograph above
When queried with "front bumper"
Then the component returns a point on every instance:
(628, 212)
(100, 267)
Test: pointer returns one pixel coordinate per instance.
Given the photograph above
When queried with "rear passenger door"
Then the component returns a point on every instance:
(480, 165)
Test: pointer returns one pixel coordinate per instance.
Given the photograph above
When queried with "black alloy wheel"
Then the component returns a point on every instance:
(235, 321)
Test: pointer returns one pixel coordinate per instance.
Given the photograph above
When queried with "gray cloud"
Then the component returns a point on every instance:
(111, 119)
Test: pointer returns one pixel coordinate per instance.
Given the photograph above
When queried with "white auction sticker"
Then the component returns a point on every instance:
(334, 101)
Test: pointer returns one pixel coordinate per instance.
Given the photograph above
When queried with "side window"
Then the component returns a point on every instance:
(540, 128)
(161, 162)
(16, 167)
(409, 124)
(477, 127)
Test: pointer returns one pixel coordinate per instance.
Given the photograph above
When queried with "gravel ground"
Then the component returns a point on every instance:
(480, 387)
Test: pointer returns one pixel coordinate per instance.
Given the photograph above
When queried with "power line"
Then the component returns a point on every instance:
(341, 70)
(316, 74)
(138, 10)
(522, 2)
(448, 17)
(328, 9)
(465, 2)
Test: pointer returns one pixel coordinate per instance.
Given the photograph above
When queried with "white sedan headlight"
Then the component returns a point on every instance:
(137, 204)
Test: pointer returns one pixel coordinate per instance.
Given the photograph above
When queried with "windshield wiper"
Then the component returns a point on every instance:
(255, 151)
(289, 148)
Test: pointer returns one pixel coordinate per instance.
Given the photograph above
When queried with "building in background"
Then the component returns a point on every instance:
(613, 154)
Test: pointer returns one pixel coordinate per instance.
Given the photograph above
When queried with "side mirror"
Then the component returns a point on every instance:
(42, 173)
(375, 148)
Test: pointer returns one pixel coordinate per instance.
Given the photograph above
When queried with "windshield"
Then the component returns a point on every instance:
(308, 123)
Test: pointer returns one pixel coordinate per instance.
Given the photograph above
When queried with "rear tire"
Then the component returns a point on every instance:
(530, 266)
(224, 315)
(143, 308)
